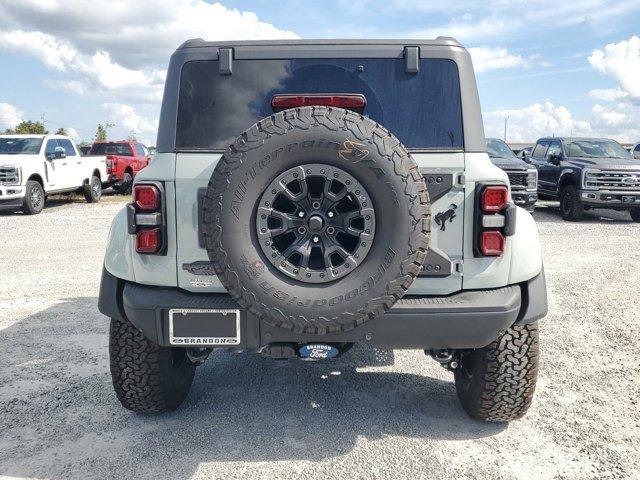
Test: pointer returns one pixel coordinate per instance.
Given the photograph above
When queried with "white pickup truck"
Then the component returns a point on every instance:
(35, 166)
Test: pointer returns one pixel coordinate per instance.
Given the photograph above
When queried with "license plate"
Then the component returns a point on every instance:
(628, 199)
(204, 327)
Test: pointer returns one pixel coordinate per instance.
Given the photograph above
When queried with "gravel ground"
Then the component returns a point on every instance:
(371, 414)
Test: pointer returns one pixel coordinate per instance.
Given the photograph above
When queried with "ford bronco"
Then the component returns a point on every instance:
(307, 196)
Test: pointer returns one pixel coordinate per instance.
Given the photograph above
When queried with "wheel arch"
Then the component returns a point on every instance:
(37, 178)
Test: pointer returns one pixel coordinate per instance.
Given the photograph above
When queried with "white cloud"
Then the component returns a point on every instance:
(488, 58)
(128, 122)
(515, 18)
(621, 61)
(530, 123)
(607, 115)
(608, 94)
(134, 33)
(10, 116)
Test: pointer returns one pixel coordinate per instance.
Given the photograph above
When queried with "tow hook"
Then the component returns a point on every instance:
(445, 357)
(198, 355)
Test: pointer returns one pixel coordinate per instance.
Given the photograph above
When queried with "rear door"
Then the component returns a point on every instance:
(78, 167)
(423, 109)
(549, 172)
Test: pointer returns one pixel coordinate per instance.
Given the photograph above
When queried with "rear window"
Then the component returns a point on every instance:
(423, 110)
(122, 149)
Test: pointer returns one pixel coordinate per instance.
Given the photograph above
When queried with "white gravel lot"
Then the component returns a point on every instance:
(369, 415)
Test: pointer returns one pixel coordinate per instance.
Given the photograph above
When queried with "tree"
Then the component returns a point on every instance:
(61, 131)
(27, 127)
(101, 132)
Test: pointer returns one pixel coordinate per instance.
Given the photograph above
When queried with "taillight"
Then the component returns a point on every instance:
(148, 240)
(494, 220)
(146, 197)
(146, 218)
(492, 243)
(348, 101)
(494, 198)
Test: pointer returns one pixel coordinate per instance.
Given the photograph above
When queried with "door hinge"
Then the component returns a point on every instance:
(458, 267)
(460, 180)
(225, 61)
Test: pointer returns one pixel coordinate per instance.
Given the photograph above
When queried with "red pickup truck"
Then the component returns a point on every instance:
(124, 160)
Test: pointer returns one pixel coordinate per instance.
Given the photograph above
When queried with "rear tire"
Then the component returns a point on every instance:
(496, 383)
(125, 187)
(635, 214)
(93, 190)
(570, 205)
(34, 198)
(147, 378)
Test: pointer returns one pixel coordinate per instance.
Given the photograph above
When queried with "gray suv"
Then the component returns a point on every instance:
(307, 196)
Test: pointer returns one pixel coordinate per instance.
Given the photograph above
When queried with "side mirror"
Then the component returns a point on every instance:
(555, 158)
(59, 153)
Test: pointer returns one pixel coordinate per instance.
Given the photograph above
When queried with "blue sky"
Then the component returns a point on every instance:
(549, 68)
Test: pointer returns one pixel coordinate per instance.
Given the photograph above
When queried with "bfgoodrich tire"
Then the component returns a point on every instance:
(147, 378)
(496, 383)
(292, 153)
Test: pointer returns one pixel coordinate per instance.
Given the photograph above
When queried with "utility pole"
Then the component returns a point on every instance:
(506, 119)
(43, 124)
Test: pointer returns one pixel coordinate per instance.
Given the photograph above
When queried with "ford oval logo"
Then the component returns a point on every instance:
(631, 180)
(318, 351)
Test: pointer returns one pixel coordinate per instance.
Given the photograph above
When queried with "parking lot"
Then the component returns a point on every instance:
(371, 414)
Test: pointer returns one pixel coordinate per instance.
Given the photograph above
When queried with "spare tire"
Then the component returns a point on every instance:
(316, 220)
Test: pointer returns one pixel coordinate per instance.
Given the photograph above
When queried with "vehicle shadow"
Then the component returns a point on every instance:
(62, 199)
(548, 211)
(60, 417)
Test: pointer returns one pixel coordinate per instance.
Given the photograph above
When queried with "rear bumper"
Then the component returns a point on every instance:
(468, 319)
(614, 199)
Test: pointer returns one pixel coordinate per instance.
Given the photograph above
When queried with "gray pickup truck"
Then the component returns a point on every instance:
(307, 196)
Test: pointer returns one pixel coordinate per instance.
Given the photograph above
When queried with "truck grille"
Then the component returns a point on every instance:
(627, 181)
(518, 180)
(9, 176)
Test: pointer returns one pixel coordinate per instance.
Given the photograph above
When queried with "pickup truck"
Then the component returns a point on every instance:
(33, 167)
(586, 174)
(124, 160)
(522, 177)
(300, 190)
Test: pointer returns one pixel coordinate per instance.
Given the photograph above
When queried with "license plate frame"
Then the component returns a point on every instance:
(208, 340)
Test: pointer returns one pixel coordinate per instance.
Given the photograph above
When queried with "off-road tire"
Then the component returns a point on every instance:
(496, 383)
(571, 207)
(29, 205)
(125, 186)
(147, 378)
(276, 144)
(93, 190)
(635, 214)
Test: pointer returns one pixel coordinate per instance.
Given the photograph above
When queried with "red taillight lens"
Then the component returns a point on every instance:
(353, 102)
(148, 241)
(495, 198)
(492, 243)
(146, 197)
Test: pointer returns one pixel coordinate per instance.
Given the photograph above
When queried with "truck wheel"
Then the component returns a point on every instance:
(147, 378)
(34, 198)
(125, 186)
(570, 205)
(635, 214)
(93, 190)
(496, 383)
(311, 193)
